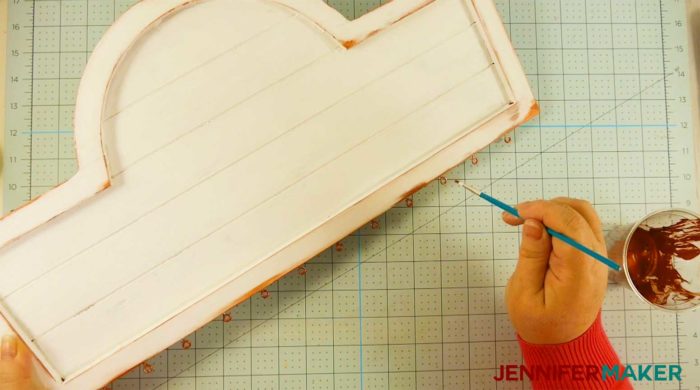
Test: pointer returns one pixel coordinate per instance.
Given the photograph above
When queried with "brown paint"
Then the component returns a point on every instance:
(349, 44)
(354, 42)
(413, 190)
(514, 117)
(534, 111)
(411, 12)
(650, 260)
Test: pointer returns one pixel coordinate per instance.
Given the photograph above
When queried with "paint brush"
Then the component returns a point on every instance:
(513, 211)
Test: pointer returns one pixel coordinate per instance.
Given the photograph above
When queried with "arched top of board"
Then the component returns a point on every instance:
(94, 174)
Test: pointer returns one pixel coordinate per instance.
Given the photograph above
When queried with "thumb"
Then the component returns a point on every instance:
(8, 347)
(535, 247)
(15, 362)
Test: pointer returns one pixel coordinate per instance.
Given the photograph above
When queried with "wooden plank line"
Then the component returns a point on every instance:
(214, 174)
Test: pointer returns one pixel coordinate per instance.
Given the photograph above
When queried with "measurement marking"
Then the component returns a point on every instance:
(607, 125)
(31, 107)
(47, 132)
(671, 164)
(359, 310)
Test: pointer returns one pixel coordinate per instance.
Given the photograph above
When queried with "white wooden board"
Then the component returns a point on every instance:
(238, 138)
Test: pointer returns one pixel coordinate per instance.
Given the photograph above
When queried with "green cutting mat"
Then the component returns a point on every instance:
(415, 299)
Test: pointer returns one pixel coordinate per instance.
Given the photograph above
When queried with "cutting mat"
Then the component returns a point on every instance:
(415, 298)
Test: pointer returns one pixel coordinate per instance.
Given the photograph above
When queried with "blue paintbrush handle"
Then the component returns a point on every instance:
(584, 249)
(513, 211)
(505, 207)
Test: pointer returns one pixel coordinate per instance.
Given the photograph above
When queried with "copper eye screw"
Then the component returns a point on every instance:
(226, 317)
(443, 180)
(302, 271)
(339, 247)
(374, 224)
(265, 294)
(186, 344)
(507, 139)
(147, 368)
(475, 160)
(409, 202)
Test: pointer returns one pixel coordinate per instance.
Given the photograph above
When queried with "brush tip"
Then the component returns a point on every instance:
(468, 187)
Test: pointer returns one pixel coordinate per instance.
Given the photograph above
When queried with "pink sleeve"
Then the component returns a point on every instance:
(573, 362)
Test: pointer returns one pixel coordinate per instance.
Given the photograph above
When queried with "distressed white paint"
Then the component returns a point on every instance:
(242, 138)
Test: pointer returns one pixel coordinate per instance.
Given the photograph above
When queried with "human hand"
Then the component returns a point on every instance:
(556, 291)
(16, 372)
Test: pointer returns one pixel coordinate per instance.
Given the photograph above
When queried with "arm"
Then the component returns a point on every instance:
(584, 354)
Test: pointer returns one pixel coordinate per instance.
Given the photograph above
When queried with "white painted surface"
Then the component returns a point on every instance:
(267, 142)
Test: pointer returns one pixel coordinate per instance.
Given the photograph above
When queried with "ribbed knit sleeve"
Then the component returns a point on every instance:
(591, 349)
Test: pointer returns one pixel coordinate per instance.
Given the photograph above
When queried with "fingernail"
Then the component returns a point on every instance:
(8, 347)
(532, 229)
